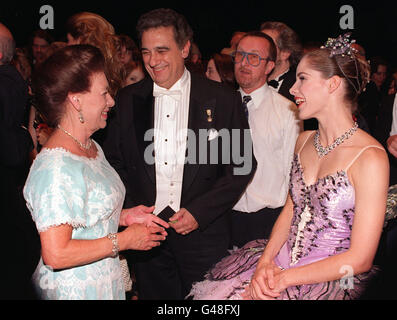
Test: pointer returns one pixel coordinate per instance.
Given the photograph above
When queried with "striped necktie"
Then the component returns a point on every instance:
(246, 99)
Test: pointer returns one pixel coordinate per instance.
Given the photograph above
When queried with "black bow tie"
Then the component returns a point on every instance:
(275, 83)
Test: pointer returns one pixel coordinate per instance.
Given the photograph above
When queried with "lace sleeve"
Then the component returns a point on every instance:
(55, 194)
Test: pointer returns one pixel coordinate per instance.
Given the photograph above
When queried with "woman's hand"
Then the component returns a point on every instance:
(141, 214)
(267, 282)
(139, 237)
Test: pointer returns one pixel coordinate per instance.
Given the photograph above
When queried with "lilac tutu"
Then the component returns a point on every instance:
(321, 227)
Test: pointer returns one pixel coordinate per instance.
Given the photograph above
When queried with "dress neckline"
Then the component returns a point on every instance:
(71, 154)
(316, 182)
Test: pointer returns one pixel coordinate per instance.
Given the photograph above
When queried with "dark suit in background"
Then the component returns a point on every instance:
(20, 248)
(209, 191)
(289, 79)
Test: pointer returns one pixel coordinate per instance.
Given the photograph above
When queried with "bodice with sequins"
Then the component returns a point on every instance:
(322, 217)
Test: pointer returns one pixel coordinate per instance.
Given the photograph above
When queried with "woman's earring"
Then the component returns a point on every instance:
(81, 118)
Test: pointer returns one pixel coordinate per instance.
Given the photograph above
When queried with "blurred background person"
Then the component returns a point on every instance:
(220, 68)
(370, 100)
(234, 40)
(134, 72)
(21, 62)
(194, 61)
(128, 50)
(22, 251)
(91, 28)
(40, 46)
(289, 52)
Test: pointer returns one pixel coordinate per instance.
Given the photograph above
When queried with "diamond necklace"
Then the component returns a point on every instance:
(82, 145)
(321, 151)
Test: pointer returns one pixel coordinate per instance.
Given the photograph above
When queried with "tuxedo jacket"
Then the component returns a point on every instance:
(208, 190)
(288, 82)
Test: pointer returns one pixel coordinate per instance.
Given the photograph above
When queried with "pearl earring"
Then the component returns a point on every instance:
(81, 118)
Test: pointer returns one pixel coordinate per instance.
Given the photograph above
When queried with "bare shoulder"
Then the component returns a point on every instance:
(370, 146)
(371, 156)
(302, 139)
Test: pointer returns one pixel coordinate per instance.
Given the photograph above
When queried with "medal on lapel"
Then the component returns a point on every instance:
(209, 115)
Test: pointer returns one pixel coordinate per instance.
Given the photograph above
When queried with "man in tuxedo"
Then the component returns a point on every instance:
(289, 52)
(185, 174)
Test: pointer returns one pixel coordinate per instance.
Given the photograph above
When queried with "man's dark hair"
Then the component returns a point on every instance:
(166, 18)
(272, 48)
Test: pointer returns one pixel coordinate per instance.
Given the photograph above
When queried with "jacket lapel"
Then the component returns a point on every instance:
(144, 124)
(199, 118)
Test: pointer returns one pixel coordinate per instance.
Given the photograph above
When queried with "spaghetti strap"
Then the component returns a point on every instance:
(299, 152)
(359, 154)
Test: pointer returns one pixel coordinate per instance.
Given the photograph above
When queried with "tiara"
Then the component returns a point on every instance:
(341, 45)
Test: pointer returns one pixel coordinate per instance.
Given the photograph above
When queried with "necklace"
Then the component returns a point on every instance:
(321, 151)
(82, 145)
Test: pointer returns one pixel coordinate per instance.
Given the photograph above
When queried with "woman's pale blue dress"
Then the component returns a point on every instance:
(87, 194)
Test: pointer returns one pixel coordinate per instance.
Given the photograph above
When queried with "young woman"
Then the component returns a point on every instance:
(331, 223)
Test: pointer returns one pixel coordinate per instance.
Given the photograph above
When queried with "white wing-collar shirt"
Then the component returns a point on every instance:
(171, 114)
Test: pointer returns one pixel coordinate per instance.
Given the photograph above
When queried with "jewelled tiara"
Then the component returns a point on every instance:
(341, 45)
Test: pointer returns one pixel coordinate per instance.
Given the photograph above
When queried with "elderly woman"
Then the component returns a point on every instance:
(74, 195)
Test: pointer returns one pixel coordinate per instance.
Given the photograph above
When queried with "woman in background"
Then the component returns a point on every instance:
(220, 68)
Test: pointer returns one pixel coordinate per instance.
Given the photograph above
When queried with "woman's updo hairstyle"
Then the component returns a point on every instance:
(338, 57)
(68, 70)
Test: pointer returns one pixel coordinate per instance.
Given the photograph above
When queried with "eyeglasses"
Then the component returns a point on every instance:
(252, 58)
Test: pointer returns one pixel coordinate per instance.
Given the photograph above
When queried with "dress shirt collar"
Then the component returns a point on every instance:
(180, 85)
(258, 96)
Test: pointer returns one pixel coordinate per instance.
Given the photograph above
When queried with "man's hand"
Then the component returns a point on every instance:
(183, 222)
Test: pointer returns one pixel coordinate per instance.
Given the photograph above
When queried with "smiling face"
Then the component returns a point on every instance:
(164, 60)
(96, 103)
(249, 77)
(310, 90)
